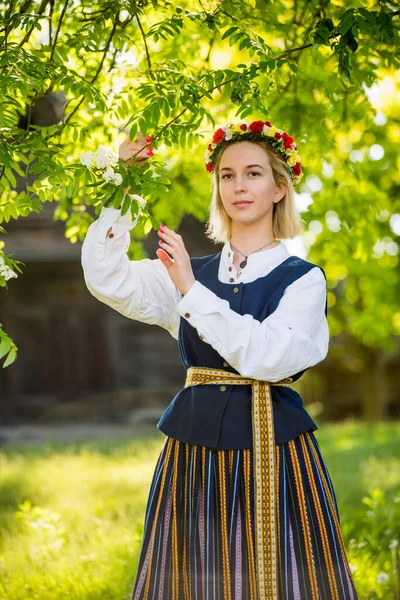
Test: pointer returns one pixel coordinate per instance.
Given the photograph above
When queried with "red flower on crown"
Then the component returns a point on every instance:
(286, 146)
(288, 141)
(218, 136)
(256, 126)
(297, 168)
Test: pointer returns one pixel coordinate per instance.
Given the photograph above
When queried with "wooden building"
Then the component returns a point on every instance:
(73, 348)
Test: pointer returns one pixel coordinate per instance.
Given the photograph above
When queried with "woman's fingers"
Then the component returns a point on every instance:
(166, 246)
(173, 242)
(164, 257)
(135, 151)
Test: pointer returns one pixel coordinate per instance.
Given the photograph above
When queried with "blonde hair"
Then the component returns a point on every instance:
(286, 220)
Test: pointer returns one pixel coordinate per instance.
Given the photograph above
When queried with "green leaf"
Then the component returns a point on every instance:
(10, 358)
(228, 32)
(5, 346)
(147, 225)
(133, 132)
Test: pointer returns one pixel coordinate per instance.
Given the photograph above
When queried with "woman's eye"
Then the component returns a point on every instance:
(250, 173)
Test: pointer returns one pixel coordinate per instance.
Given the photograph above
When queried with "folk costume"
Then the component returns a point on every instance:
(241, 504)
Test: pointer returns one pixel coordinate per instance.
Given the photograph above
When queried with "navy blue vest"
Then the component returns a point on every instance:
(205, 415)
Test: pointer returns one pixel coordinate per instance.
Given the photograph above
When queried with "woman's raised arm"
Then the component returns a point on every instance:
(139, 289)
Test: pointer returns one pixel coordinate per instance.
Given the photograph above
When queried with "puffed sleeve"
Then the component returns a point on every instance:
(294, 337)
(141, 289)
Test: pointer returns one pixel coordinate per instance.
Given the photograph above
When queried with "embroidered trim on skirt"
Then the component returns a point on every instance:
(199, 540)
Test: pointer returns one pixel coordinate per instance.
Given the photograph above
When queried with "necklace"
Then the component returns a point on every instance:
(244, 262)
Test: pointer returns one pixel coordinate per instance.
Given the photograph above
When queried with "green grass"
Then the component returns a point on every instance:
(71, 516)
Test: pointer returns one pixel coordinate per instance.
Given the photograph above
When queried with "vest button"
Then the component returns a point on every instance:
(225, 364)
(111, 235)
(223, 388)
(187, 315)
(235, 290)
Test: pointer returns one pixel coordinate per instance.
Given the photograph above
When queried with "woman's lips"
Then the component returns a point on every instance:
(243, 203)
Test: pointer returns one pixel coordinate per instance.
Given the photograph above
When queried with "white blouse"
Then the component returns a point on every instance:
(294, 337)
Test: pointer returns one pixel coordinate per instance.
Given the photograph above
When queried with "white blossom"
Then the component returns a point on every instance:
(105, 157)
(382, 577)
(7, 273)
(86, 159)
(117, 179)
(394, 543)
(109, 174)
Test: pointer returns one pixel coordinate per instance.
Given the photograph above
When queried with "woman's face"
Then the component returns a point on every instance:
(245, 175)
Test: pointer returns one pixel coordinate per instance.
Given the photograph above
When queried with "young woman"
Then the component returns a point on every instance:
(241, 504)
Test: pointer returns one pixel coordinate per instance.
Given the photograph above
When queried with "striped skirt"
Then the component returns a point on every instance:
(199, 539)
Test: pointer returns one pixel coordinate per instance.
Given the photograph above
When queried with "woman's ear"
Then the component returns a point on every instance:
(280, 192)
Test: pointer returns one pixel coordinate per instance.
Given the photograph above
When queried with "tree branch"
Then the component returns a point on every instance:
(113, 30)
(51, 11)
(60, 20)
(98, 71)
(40, 11)
(145, 46)
(7, 27)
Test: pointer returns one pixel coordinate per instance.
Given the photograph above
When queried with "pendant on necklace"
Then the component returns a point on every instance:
(243, 263)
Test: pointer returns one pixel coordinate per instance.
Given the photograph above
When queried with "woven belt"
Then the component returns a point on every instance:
(264, 468)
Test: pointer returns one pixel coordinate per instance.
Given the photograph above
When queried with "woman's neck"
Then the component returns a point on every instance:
(246, 246)
(248, 238)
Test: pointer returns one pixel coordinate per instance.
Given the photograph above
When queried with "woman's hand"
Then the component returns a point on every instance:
(128, 149)
(180, 269)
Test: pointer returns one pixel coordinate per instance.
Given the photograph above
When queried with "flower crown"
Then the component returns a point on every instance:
(256, 130)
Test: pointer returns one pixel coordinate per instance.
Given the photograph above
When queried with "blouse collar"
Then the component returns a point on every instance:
(263, 260)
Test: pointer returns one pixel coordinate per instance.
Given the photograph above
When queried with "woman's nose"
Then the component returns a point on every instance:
(240, 184)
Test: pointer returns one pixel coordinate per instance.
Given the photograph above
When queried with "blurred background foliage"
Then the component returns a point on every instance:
(326, 72)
